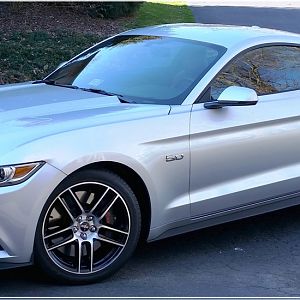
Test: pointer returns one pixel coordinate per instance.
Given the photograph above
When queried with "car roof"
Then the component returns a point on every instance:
(224, 35)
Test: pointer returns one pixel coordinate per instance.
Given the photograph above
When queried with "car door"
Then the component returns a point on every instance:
(243, 155)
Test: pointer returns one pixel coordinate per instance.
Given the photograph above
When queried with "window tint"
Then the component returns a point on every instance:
(267, 70)
(145, 69)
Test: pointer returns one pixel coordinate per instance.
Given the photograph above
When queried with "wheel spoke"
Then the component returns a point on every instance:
(98, 202)
(76, 200)
(66, 208)
(79, 255)
(62, 244)
(110, 241)
(114, 229)
(92, 254)
(109, 207)
(58, 232)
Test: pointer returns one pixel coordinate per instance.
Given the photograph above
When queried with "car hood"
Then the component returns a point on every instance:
(32, 111)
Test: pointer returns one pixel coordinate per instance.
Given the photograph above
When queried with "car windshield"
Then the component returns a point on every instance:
(144, 69)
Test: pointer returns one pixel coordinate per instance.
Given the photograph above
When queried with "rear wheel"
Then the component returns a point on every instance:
(88, 228)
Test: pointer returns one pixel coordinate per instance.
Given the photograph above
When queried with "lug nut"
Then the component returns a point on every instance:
(79, 219)
(75, 229)
(83, 236)
(89, 218)
(93, 228)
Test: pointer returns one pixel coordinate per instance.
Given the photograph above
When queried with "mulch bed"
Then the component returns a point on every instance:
(37, 17)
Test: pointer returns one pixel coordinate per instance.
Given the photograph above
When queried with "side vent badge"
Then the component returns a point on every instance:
(174, 157)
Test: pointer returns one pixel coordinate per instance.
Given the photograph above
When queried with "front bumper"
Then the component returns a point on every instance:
(20, 208)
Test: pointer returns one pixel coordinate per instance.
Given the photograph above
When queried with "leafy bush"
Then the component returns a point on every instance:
(111, 10)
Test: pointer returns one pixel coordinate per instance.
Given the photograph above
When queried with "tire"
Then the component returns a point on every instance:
(93, 213)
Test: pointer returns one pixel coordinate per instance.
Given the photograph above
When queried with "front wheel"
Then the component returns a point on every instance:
(88, 228)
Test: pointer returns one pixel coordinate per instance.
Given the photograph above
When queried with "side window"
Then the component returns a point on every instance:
(267, 70)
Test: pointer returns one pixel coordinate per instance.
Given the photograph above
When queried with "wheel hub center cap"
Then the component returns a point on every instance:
(84, 226)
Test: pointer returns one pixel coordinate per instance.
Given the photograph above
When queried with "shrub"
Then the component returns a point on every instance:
(111, 10)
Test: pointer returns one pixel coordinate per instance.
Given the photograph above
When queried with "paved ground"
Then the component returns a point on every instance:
(284, 14)
(255, 257)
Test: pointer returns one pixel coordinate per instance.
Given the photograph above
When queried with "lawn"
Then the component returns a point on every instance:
(29, 54)
(153, 13)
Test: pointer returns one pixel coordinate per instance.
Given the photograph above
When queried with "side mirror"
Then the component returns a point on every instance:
(234, 96)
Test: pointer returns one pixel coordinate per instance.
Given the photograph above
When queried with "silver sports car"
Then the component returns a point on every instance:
(151, 133)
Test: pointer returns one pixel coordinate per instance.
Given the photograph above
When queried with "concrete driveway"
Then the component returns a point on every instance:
(284, 15)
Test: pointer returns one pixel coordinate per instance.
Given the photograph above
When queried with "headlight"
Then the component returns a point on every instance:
(15, 174)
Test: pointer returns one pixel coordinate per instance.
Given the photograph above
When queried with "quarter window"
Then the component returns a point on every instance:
(267, 70)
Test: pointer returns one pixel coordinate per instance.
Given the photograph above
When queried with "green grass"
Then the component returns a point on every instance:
(159, 12)
(32, 55)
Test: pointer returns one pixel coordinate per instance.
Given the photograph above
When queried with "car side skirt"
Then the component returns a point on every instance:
(219, 217)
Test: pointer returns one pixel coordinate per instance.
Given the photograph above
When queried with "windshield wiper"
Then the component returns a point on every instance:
(98, 91)
(103, 92)
(53, 82)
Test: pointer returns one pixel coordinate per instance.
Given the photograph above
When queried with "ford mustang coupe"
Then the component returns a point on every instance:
(151, 133)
